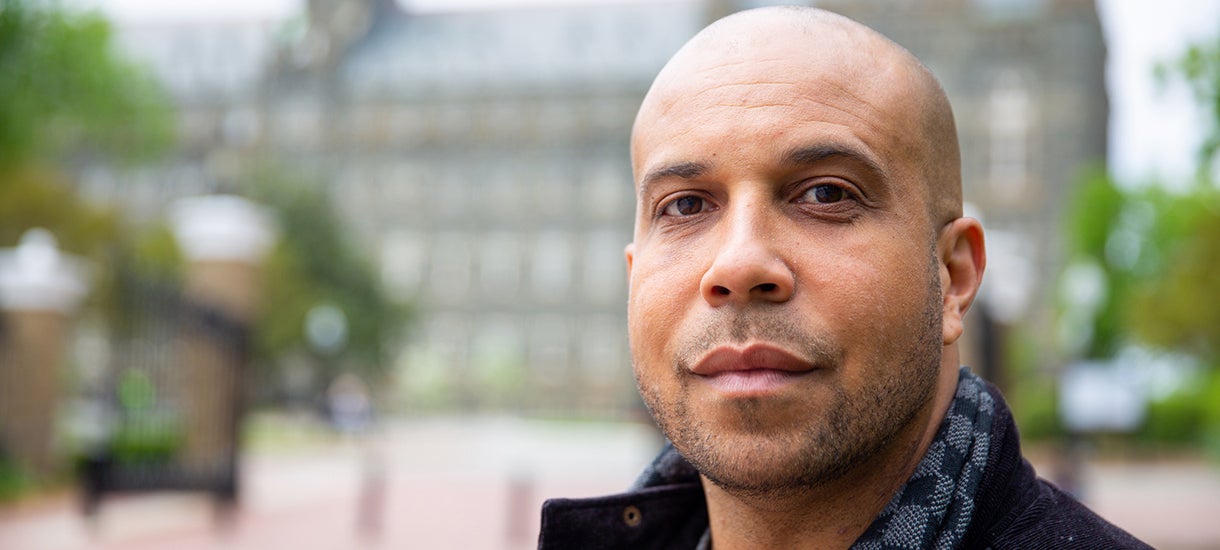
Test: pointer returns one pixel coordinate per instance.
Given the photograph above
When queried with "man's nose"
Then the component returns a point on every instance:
(747, 268)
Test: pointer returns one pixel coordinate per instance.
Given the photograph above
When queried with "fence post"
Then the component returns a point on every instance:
(223, 239)
(40, 289)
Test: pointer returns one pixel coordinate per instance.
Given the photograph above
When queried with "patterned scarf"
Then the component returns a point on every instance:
(934, 507)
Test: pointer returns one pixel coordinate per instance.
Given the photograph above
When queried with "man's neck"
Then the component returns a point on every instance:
(830, 516)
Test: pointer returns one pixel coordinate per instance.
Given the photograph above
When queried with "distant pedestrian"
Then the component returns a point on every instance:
(348, 404)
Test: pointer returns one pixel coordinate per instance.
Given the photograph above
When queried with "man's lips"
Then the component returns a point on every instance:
(754, 357)
(752, 371)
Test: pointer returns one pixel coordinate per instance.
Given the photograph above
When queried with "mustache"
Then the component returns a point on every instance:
(739, 327)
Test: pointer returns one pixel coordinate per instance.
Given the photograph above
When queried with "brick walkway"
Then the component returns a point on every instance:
(441, 483)
(479, 483)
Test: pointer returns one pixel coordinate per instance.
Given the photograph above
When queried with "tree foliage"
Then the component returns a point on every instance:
(1094, 219)
(65, 87)
(1157, 250)
(66, 91)
(37, 195)
(1176, 309)
(316, 264)
(1199, 67)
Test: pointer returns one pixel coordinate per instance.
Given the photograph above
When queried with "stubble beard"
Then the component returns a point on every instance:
(772, 460)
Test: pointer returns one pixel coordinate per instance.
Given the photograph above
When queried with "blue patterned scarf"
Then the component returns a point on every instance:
(934, 507)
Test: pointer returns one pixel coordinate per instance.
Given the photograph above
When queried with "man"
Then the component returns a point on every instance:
(798, 277)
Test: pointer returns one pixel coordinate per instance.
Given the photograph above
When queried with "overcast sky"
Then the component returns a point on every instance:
(1154, 130)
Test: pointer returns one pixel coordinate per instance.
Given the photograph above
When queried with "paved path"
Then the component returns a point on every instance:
(438, 483)
(1172, 505)
(478, 484)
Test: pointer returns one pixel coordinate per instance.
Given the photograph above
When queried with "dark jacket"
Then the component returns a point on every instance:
(1013, 508)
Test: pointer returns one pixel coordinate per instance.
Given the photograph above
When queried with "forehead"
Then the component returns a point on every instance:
(743, 92)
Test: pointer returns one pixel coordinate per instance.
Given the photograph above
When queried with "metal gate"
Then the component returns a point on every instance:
(173, 394)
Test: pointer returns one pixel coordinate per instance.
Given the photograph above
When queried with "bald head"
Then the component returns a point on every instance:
(798, 192)
(797, 55)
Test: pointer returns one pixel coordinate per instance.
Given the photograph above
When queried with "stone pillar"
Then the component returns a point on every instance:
(223, 239)
(40, 289)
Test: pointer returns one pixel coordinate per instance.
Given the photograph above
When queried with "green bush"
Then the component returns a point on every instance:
(146, 440)
(1035, 406)
(1176, 419)
(1187, 417)
(13, 480)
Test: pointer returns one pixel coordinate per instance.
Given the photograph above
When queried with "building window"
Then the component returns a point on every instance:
(500, 264)
(403, 257)
(549, 337)
(452, 198)
(503, 192)
(501, 121)
(1008, 10)
(450, 268)
(604, 267)
(552, 265)
(360, 193)
(403, 190)
(449, 343)
(552, 189)
(405, 125)
(606, 190)
(602, 346)
(1009, 115)
(498, 352)
(299, 126)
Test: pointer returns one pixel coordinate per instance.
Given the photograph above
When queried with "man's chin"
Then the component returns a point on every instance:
(765, 469)
(764, 445)
(778, 423)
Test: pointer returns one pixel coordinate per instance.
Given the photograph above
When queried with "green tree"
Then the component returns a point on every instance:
(1158, 253)
(39, 195)
(66, 93)
(1176, 309)
(1199, 67)
(316, 264)
(1094, 217)
(65, 87)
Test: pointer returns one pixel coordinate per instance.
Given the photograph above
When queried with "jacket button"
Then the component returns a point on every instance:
(632, 516)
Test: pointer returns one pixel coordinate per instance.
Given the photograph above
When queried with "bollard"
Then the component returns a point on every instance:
(520, 507)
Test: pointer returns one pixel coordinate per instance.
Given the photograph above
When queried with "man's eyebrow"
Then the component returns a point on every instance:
(814, 154)
(681, 170)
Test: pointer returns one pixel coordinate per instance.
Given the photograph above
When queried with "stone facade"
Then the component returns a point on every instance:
(481, 157)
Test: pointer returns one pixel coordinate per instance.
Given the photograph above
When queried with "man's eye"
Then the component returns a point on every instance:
(825, 194)
(685, 206)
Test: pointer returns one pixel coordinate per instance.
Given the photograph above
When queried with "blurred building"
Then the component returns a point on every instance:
(481, 157)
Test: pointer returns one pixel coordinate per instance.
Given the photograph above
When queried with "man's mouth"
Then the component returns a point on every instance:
(751, 370)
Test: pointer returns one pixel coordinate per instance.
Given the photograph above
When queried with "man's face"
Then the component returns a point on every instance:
(785, 297)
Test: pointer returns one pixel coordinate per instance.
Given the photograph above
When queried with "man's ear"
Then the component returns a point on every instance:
(963, 257)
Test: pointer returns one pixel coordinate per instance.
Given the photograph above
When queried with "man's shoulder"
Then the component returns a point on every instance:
(1018, 510)
(1054, 519)
(665, 508)
(666, 516)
